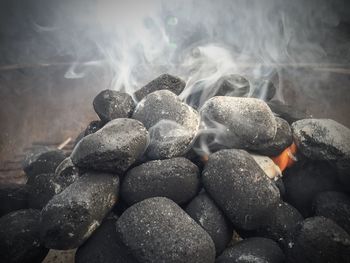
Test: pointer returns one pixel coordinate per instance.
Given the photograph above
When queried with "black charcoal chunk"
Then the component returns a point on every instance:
(282, 140)
(280, 185)
(232, 85)
(319, 240)
(304, 181)
(253, 250)
(114, 148)
(322, 139)
(239, 122)
(335, 206)
(206, 213)
(287, 112)
(104, 246)
(240, 187)
(163, 82)
(71, 217)
(67, 169)
(93, 127)
(176, 179)
(112, 104)
(42, 160)
(281, 223)
(158, 230)
(13, 197)
(172, 124)
(20, 238)
(343, 169)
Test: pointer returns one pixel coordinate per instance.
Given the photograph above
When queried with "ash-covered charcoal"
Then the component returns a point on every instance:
(304, 181)
(72, 216)
(281, 224)
(243, 122)
(20, 238)
(172, 124)
(93, 127)
(112, 104)
(271, 170)
(176, 179)
(13, 197)
(158, 230)
(287, 112)
(206, 213)
(104, 246)
(279, 143)
(42, 160)
(114, 148)
(250, 250)
(319, 240)
(44, 186)
(240, 187)
(335, 206)
(264, 90)
(322, 139)
(67, 169)
(163, 82)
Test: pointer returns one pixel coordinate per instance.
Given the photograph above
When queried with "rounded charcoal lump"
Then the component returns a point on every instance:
(251, 250)
(67, 169)
(172, 124)
(104, 246)
(280, 142)
(42, 160)
(322, 139)
(70, 217)
(240, 188)
(112, 104)
(335, 206)
(20, 238)
(319, 240)
(158, 230)
(114, 148)
(93, 127)
(176, 179)
(163, 82)
(239, 122)
(206, 213)
(13, 197)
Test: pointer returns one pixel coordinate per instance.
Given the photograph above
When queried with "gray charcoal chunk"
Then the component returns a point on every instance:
(20, 238)
(93, 127)
(72, 216)
(240, 122)
(172, 124)
(335, 206)
(176, 179)
(163, 82)
(42, 160)
(287, 112)
(114, 148)
(158, 230)
(319, 240)
(112, 104)
(104, 246)
(206, 213)
(322, 139)
(13, 197)
(67, 169)
(240, 187)
(253, 250)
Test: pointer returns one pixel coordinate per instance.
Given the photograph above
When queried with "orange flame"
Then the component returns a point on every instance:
(286, 158)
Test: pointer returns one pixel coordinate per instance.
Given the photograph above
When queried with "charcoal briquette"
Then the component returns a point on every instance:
(67, 169)
(13, 197)
(93, 127)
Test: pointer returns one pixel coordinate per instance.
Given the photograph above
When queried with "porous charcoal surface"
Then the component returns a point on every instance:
(304, 181)
(250, 250)
(243, 122)
(104, 246)
(13, 197)
(114, 148)
(71, 217)
(176, 179)
(19, 237)
(67, 169)
(112, 104)
(172, 124)
(281, 223)
(287, 112)
(282, 140)
(158, 230)
(93, 127)
(206, 213)
(335, 206)
(42, 160)
(240, 187)
(319, 240)
(163, 82)
(322, 139)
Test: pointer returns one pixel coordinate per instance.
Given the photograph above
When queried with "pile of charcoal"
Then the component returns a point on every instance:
(159, 179)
